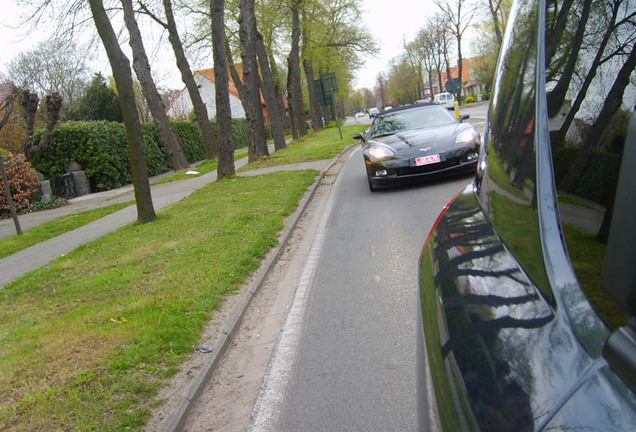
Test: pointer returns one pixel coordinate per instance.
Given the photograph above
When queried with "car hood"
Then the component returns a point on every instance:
(433, 139)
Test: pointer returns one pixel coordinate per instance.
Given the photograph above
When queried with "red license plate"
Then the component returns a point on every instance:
(427, 160)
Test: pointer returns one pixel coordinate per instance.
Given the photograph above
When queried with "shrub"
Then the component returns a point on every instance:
(54, 202)
(469, 99)
(23, 184)
(599, 175)
(101, 148)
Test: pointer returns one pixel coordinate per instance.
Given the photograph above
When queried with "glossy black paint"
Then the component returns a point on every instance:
(411, 143)
(507, 339)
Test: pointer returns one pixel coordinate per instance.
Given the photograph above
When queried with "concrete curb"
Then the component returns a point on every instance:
(176, 420)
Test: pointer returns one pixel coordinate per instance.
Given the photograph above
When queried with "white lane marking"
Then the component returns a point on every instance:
(271, 398)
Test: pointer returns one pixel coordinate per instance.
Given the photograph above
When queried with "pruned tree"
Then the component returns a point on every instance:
(141, 65)
(122, 73)
(29, 102)
(52, 109)
(55, 66)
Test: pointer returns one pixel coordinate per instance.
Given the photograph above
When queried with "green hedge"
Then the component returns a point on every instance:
(101, 148)
(600, 174)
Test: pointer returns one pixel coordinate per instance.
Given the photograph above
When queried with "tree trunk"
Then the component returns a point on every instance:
(613, 102)
(298, 105)
(251, 80)
(559, 136)
(141, 65)
(271, 98)
(53, 105)
(291, 102)
(556, 96)
(222, 89)
(314, 103)
(555, 32)
(495, 19)
(187, 77)
(459, 68)
(7, 194)
(279, 92)
(120, 66)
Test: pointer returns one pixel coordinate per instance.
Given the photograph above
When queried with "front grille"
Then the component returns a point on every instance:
(426, 168)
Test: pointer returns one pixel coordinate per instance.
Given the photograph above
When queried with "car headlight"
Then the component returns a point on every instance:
(380, 152)
(467, 137)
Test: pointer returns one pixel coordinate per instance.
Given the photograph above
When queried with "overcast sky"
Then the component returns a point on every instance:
(389, 21)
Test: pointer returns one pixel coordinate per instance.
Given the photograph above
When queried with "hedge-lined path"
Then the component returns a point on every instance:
(163, 194)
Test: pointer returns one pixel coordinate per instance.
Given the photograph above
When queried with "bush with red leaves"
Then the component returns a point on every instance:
(23, 184)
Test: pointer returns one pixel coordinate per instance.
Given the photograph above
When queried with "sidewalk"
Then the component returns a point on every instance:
(40, 254)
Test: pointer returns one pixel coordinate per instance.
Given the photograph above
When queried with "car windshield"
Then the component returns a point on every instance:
(411, 119)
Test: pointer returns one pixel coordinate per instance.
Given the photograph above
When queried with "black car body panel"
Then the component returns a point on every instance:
(507, 340)
(437, 139)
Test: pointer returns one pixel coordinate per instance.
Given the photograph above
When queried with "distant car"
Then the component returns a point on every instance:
(425, 100)
(507, 338)
(387, 108)
(359, 114)
(416, 142)
(447, 100)
(374, 111)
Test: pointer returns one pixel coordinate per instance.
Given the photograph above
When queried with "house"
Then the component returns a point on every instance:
(181, 106)
(469, 84)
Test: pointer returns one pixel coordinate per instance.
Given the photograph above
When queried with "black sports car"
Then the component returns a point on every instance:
(417, 141)
(527, 299)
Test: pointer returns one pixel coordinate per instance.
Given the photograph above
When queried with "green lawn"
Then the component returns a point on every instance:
(317, 146)
(40, 233)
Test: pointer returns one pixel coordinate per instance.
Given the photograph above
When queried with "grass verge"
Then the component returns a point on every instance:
(87, 341)
(48, 230)
(588, 256)
(201, 169)
(316, 146)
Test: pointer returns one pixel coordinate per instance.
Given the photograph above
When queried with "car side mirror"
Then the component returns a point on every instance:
(464, 117)
(358, 136)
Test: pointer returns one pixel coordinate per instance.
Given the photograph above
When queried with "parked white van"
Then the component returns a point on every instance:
(447, 100)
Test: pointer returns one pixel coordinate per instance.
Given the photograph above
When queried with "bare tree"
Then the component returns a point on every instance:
(56, 65)
(122, 73)
(141, 65)
(200, 111)
(460, 14)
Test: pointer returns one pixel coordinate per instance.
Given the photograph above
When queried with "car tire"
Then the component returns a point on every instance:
(372, 187)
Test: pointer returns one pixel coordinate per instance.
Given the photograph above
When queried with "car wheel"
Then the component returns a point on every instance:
(372, 187)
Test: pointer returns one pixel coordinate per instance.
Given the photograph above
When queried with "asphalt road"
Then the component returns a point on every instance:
(347, 360)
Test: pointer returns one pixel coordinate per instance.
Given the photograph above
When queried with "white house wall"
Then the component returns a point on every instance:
(182, 105)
